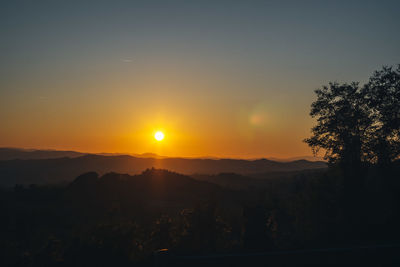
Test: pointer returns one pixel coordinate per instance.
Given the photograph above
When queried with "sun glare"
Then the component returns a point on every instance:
(159, 136)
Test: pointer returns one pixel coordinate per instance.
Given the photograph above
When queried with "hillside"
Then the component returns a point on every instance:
(56, 170)
(18, 153)
(153, 187)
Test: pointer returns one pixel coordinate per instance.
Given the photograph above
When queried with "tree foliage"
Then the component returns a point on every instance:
(342, 121)
(357, 124)
(382, 95)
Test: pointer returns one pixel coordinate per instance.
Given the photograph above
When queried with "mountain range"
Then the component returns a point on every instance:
(43, 166)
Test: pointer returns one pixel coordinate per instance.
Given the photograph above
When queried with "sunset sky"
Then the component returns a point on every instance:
(218, 78)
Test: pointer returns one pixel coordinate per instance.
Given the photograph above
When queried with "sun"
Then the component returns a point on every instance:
(159, 136)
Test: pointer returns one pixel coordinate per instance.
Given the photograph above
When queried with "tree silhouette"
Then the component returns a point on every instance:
(342, 121)
(382, 94)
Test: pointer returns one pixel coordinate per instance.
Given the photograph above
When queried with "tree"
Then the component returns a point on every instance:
(382, 94)
(342, 121)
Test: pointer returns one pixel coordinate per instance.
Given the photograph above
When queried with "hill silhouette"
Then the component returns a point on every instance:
(19, 153)
(154, 187)
(56, 170)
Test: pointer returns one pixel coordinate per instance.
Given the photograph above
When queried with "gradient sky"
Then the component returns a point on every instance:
(220, 78)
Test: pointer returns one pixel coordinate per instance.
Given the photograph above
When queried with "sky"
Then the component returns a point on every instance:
(219, 78)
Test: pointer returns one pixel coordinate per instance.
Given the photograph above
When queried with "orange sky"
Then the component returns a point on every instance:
(220, 79)
(193, 126)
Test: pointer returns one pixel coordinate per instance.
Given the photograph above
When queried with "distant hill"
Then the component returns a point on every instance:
(308, 158)
(56, 170)
(232, 180)
(255, 180)
(19, 153)
(9, 153)
(152, 187)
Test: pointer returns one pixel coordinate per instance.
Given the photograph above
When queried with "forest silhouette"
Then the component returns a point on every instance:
(346, 214)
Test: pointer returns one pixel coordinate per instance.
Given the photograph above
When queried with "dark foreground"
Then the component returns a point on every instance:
(313, 218)
(378, 255)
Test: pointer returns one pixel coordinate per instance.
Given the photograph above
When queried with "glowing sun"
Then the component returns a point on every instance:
(159, 136)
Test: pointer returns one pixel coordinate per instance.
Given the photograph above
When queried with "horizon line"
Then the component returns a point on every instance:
(272, 158)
